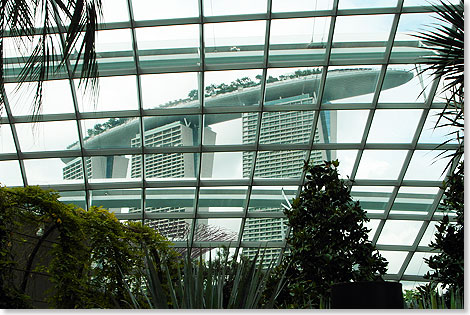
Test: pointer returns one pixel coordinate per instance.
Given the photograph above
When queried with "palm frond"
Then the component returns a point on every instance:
(446, 40)
(46, 51)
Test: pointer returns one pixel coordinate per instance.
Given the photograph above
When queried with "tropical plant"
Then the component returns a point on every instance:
(447, 42)
(428, 297)
(46, 33)
(223, 283)
(328, 241)
(448, 265)
(91, 251)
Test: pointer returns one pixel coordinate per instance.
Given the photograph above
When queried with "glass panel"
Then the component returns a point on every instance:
(301, 5)
(73, 168)
(338, 87)
(356, 4)
(234, 42)
(417, 265)
(271, 198)
(411, 24)
(56, 98)
(346, 159)
(428, 165)
(347, 126)
(409, 3)
(279, 164)
(243, 89)
(286, 127)
(165, 47)
(268, 254)
(116, 93)
(110, 168)
(359, 37)
(395, 260)
(10, 174)
(226, 165)
(109, 133)
(173, 229)
(264, 229)
(403, 85)
(115, 11)
(54, 171)
(7, 145)
(381, 164)
(168, 165)
(217, 199)
(228, 7)
(394, 125)
(430, 134)
(170, 199)
(414, 200)
(373, 199)
(117, 200)
(399, 232)
(298, 40)
(292, 86)
(159, 9)
(430, 234)
(47, 136)
(173, 131)
(113, 40)
(372, 226)
(173, 90)
(77, 198)
(213, 230)
(234, 128)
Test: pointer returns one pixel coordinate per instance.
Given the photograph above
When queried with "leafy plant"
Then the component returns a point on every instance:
(448, 264)
(328, 242)
(223, 283)
(92, 251)
(428, 297)
(49, 52)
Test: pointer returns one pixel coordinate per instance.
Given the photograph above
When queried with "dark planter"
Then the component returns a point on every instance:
(382, 294)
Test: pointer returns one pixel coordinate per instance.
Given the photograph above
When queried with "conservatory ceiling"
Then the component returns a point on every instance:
(208, 108)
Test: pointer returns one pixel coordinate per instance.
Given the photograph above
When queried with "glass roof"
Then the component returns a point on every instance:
(207, 110)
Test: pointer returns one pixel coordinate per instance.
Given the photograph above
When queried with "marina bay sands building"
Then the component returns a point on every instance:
(277, 127)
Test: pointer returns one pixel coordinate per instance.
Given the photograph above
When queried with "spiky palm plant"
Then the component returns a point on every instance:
(446, 39)
(223, 283)
(46, 34)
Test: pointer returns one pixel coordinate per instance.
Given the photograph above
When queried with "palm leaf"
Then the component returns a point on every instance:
(447, 41)
(49, 53)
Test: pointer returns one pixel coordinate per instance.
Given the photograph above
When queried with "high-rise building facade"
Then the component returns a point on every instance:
(280, 127)
(170, 165)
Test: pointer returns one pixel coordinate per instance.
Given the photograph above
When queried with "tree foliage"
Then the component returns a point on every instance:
(328, 241)
(92, 251)
(448, 266)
